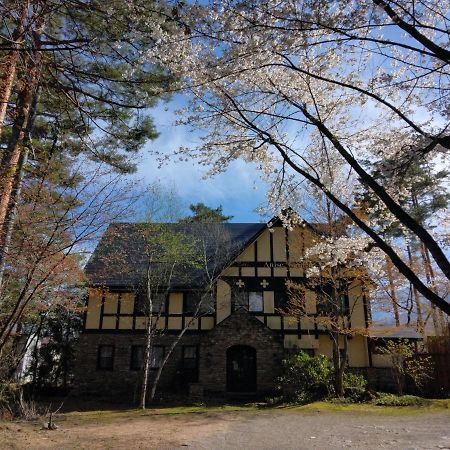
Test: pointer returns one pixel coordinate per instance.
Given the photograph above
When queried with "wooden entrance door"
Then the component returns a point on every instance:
(241, 369)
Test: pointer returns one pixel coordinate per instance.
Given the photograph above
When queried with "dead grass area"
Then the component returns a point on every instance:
(162, 428)
(158, 428)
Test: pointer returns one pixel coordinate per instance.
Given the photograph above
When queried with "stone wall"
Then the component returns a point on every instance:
(240, 328)
(122, 383)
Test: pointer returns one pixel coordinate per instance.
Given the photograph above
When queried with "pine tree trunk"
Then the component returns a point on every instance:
(420, 324)
(14, 151)
(8, 65)
(393, 291)
(439, 322)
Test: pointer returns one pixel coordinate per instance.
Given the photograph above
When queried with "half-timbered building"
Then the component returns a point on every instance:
(236, 345)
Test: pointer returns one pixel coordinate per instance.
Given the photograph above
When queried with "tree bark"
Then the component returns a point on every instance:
(148, 341)
(439, 51)
(393, 291)
(339, 363)
(439, 322)
(8, 65)
(14, 158)
(164, 361)
(420, 323)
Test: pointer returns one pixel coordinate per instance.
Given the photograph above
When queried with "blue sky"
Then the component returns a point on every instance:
(239, 190)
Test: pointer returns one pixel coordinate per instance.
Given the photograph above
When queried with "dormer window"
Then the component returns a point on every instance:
(253, 301)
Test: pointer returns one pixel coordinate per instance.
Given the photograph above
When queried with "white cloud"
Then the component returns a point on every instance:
(239, 190)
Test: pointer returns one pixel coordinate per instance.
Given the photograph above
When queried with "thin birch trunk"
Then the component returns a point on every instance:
(171, 349)
(393, 291)
(148, 342)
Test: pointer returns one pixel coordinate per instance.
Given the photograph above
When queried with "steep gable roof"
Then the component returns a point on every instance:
(120, 259)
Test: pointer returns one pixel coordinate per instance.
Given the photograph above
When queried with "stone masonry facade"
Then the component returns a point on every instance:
(240, 328)
(123, 384)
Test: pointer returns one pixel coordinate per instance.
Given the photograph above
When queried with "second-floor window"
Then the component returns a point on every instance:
(331, 301)
(255, 301)
(252, 301)
(192, 299)
(142, 303)
(280, 300)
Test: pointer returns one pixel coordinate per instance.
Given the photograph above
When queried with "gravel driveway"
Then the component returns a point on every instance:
(213, 429)
(328, 430)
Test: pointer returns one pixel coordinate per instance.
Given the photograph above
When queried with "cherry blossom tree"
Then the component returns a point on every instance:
(271, 81)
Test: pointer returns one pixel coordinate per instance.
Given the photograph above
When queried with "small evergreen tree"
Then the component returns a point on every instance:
(205, 214)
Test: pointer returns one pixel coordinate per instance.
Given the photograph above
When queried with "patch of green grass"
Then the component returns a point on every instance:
(386, 399)
(413, 407)
(105, 415)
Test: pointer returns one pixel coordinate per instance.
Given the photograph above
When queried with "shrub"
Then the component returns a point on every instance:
(306, 378)
(9, 394)
(407, 363)
(354, 386)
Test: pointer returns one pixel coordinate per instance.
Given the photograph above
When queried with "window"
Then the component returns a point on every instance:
(192, 299)
(157, 357)
(137, 357)
(255, 301)
(142, 306)
(343, 304)
(240, 299)
(280, 299)
(105, 357)
(190, 363)
(327, 303)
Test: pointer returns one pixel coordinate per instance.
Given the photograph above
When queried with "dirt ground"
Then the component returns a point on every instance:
(314, 427)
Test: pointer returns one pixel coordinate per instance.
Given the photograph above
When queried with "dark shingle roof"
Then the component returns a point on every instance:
(122, 256)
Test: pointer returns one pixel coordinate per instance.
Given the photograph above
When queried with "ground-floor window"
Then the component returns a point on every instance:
(105, 357)
(137, 357)
(190, 363)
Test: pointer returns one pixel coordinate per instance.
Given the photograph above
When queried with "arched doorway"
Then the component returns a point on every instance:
(241, 369)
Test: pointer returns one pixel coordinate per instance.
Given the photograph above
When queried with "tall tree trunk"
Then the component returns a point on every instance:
(148, 340)
(8, 64)
(339, 363)
(172, 347)
(439, 322)
(10, 179)
(164, 361)
(147, 361)
(393, 291)
(420, 324)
